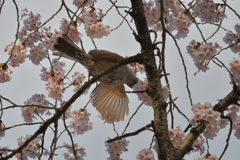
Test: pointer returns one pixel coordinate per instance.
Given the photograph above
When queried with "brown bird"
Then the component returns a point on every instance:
(107, 97)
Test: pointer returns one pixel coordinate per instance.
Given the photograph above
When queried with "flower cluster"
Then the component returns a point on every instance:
(93, 23)
(233, 39)
(3, 151)
(38, 42)
(235, 69)
(207, 11)
(142, 86)
(204, 113)
(32, 149)
(145, 154)
(177, 136)
(136, 67)
(18, 53)
(80, 121)
(37, 54)
(198, 145)
(5, 75)
(31, 22)
(54, 78)
(207, 157)
(175, 17)
(28, 112)
(57, 71)
(232, 113)
(201, 53)
(78, 81)
(80, 152)
(55, 88)
(236, 127)
(116, 148)
(72, 31)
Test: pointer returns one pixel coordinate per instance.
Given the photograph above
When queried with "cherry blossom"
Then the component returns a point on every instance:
(235, 69)
(18, 53)
(28, 113)
(37, 54)
(78, 81)
(80, 152)
(57, 71)
(175, 16)
(177, 137)
(72, 31)
(231, 39)
(3, 151)
(32, 149)
(207, 11)
(116, 148)
(31, 22)
(55, 88)
(93, 23)
(236, 127)
(201, 53)
(80, 121)
(142, 86)
(205, 114)
(207, 157)
(145, 154)
(136, 67)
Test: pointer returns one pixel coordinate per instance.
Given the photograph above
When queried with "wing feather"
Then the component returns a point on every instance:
(110, 101)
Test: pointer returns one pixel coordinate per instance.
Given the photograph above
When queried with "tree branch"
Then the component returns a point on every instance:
(63, 109)
(130, 134)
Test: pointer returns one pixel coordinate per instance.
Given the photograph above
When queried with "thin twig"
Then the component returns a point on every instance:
(70, 135)
(131, 118)
(193, 21)
(130, 134)
(229, 134)
(185, 68)
(1, 6)
(18, 25)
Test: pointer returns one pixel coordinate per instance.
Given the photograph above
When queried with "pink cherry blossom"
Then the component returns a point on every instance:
(55, 88)
(145, 154)
(29, 113)
(116, 148)
(32, 149)
(93, 25)
(80, 121)
(18, 53)
(80, 152)
(142, 86)
(206, 114)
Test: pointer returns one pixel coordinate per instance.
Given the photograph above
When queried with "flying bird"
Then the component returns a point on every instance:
(108, 97)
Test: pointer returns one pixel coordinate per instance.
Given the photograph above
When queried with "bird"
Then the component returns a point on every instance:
(109, 96)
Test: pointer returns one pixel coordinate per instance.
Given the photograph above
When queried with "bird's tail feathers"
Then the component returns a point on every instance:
(68, 49)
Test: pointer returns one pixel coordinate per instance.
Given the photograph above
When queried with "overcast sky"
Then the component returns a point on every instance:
(205, 87)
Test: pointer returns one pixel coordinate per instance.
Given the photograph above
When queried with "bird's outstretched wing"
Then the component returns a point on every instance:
(110, 101)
